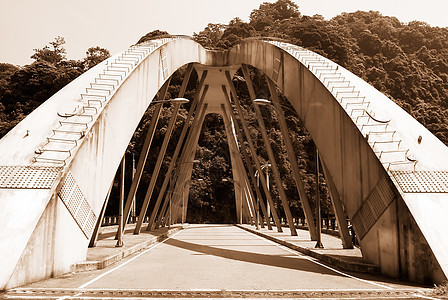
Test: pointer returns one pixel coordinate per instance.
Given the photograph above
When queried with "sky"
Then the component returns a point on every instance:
(117, 24)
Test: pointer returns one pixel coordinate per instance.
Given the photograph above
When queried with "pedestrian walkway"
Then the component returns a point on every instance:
(105, 253)
(332, 253)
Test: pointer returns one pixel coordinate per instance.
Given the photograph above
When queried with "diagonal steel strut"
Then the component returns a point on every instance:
(172, 165)
(162, 152)
(249, 164)
(270, 153)
(253, 151)
(293, 161)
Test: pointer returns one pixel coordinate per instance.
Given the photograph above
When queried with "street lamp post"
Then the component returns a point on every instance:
(174, 100)
(120, 207)
(266, 165)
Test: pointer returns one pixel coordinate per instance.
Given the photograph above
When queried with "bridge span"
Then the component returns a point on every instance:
(385, 171)
(215, 261)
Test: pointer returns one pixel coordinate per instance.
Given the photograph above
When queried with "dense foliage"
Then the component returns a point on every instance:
(407, 62)
(22, 89)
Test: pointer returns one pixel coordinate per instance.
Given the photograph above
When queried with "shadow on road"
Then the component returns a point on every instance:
(281, 261)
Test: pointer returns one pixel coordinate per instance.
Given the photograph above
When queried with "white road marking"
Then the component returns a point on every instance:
(319, 263)
(126, 262)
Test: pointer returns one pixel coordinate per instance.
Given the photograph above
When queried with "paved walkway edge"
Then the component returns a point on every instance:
(331, 260)
(104, 263)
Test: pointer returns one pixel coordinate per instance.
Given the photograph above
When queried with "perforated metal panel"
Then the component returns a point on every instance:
(78, 206)
(372, 209)
(27, 177)
(422, 181)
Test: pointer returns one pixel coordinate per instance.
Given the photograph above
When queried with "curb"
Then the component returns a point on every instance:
(336, 262)
(101, 264)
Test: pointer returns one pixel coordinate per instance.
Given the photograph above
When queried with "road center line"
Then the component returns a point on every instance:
(319, 263)
(126, 262)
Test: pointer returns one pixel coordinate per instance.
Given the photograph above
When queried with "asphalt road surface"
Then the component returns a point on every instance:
(217, 261)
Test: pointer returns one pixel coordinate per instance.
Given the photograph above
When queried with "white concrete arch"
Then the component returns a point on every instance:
(388, 169)
(65, 141)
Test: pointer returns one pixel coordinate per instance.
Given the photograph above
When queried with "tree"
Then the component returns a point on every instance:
(235, 32)
(152, 35)
(269, 13)
(22, 89)
(54, 54)
(210, 37)
(95, 55)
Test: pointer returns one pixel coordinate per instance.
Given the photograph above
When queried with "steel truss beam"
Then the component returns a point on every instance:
(96, 231)
(239, 164)
(180, 175)
(144, 154)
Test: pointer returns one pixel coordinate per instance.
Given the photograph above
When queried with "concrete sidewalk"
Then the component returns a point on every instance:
(332, 253)
(105, 253)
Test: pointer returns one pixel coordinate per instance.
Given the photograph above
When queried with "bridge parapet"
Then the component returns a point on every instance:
(76, 121)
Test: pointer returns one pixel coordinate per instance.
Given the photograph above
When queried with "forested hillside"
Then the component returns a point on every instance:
(22, 89)
(407, 62)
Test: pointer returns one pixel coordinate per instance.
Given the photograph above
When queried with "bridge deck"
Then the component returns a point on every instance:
(219, 257)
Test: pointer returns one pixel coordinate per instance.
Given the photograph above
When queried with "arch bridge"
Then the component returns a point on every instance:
(384, 170)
